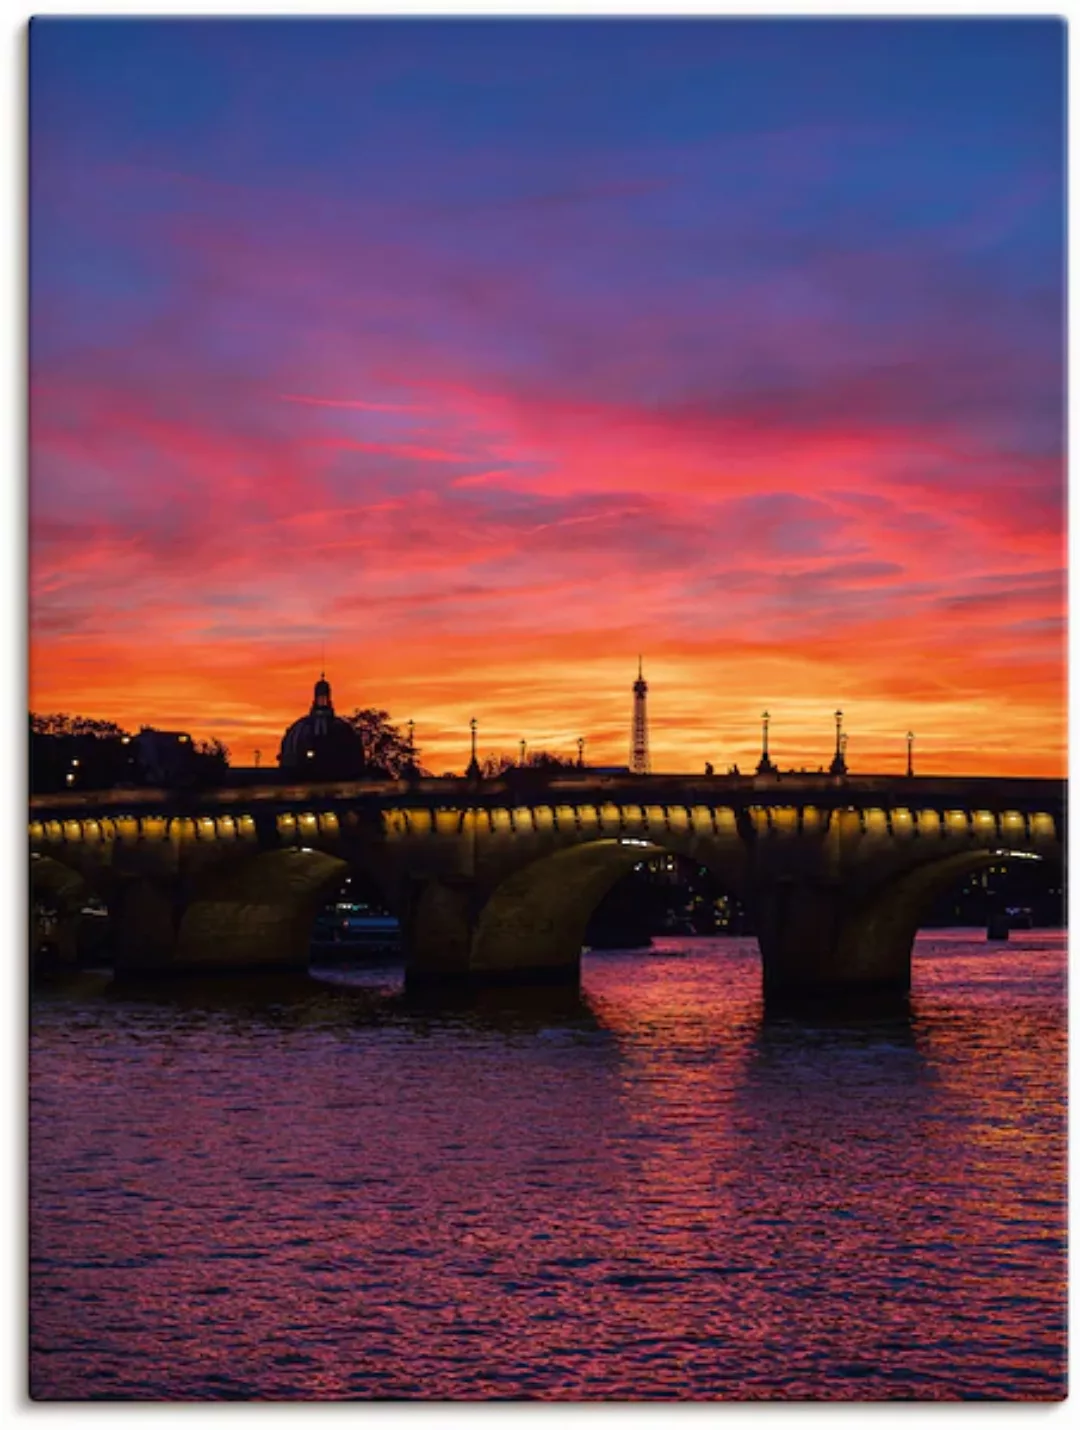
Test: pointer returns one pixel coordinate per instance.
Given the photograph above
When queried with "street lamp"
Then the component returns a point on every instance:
(474, 764)
(765, 765)
(522, 747)
(838, 766)
(581, 751)
(910, 762)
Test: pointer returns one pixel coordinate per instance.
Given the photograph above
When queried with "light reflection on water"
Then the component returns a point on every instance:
(644, 1191)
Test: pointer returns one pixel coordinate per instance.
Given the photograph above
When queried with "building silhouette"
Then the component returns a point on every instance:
(320, 744)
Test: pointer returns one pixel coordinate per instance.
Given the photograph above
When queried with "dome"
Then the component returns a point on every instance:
(320, 743)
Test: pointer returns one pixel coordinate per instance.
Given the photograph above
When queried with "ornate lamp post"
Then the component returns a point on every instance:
(522, 759)
(473, 771)
(839, 765)
(581, 752)
(765, 765)
(910, 761)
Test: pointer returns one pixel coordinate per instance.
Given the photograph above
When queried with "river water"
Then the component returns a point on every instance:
(645, 1192)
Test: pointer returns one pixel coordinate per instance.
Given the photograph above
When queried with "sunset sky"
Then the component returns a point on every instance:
(485, 356)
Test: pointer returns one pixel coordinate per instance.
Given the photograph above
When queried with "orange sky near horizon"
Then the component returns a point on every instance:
(789, 571)
(762, 571)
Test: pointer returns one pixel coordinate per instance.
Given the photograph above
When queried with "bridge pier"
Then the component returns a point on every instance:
(438, 924)
(144, 915)
(227, 935)
(816, 943)
(458, 936)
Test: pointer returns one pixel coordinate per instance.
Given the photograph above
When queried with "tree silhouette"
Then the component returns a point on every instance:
(386, 749)
(79, 725)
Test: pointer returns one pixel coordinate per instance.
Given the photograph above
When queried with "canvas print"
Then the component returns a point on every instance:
(547, 710)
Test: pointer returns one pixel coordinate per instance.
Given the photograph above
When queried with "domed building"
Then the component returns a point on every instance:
(321, 745)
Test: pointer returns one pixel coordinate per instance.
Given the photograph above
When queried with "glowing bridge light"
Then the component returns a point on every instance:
(1014, 854)
(638, 843)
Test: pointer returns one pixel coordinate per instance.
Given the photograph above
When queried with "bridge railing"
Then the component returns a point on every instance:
(525, 787)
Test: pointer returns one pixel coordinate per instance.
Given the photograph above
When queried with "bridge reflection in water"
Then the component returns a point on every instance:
(494, 881)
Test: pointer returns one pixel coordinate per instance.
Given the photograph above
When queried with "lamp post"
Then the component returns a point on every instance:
(411, 727)
(581, 751)
(838, 766)
(522, 748)
(765, 765)
(910, 762)
(474, 763)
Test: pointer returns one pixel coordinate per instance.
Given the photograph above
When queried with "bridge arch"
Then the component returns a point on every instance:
(824, 937)
(533, 919)
(255, 911)
(539, 914)
(884, 928)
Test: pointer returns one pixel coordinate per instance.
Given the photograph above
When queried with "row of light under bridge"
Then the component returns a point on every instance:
(538, 819)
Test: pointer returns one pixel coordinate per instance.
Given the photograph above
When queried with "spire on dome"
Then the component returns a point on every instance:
(322, 699)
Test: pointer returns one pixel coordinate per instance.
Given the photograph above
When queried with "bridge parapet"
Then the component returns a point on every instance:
(822, 791)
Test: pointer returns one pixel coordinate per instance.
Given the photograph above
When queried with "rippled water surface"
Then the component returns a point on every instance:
(644, 1192)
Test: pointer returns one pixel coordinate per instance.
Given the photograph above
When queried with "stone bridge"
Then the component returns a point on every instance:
(496, 880)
